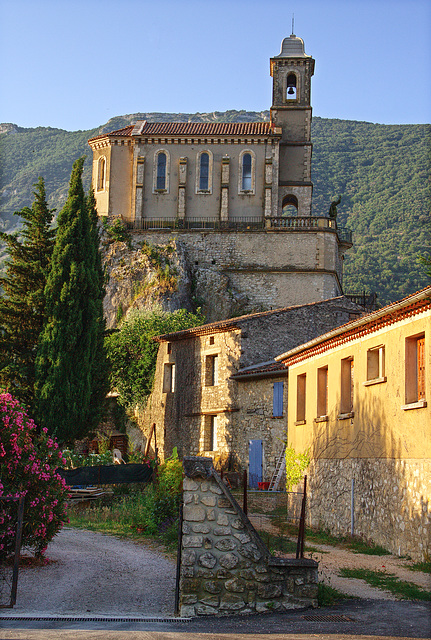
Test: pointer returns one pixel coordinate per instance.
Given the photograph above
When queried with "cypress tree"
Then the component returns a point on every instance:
(22, 305)
(70, 380)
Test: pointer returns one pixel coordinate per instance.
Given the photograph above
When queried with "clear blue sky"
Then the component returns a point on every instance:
(74, 64)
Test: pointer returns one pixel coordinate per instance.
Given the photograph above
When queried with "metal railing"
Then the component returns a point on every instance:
(294, 223)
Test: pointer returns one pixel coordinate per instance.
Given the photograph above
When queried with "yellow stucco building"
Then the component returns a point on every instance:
(359, 401)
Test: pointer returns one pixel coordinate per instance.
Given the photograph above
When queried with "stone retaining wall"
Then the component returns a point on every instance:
(391, 499)
(225, 567)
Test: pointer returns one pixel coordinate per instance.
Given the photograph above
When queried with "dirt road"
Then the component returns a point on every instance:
(99, 574)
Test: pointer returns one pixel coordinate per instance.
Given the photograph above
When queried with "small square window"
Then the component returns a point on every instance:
(211, 339)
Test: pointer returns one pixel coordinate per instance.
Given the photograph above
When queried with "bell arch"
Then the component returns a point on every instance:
(289, 205)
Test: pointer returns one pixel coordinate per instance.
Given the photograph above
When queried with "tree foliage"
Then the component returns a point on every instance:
(28, 461)
(132, 352)
(70, 371)
(22, 305)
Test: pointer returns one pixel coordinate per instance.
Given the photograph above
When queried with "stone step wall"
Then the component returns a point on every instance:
(225, 568)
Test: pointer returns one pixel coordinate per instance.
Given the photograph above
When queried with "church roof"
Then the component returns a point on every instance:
(292, 47)
(144, 128)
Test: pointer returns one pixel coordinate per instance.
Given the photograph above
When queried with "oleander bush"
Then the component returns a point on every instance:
(28, 461)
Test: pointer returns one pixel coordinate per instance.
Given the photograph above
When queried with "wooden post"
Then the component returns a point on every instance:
(301, 531)
(244, 482)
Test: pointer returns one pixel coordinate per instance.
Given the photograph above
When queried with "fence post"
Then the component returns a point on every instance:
(301, 531)
(244, 482)
(178, 573)
(352, 509)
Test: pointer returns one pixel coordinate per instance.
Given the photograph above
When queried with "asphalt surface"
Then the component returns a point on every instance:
(351, 619)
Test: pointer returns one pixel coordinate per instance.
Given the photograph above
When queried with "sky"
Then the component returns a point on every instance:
(74, 64)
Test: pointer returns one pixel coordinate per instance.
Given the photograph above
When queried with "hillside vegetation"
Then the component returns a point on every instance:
(381, 173)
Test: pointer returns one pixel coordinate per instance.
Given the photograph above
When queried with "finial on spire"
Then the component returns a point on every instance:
(293, 24)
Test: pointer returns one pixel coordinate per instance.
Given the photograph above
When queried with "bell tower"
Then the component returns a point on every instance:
(291, 110)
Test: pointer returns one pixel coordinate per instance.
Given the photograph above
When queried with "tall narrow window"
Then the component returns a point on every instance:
(204, 172)
(211, 371)
(169, 378)
(300, 398)
(161, 171)
(246, 172)
(322, 392)
(101, 174)
(347, 370)
(277, 399)
(291, 87)
(415, 369)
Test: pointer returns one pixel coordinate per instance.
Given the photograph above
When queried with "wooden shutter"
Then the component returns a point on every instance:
(421, 367)
(277, 400)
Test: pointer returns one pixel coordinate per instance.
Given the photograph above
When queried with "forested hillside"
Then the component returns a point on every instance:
(381, 173)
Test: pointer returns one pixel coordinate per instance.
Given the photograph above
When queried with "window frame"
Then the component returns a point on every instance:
(211, 370)
(301, 399)
(252, 189)
(101, 180)
(169, 377)
(208, 190)
(347, 388)
(414, 372)
(375, 365)
(157, 189)
(322, 394)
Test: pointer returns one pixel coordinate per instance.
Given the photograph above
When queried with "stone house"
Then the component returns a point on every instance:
(203, 401)
(358, 398)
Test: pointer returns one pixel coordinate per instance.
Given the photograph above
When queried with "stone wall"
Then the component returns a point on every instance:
(391, 499)
(225, 567)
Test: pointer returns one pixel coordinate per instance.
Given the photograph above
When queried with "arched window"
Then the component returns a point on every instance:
(290, 206)
(101, 169)
(204, 173)
(161, 171)
(246, 182)
(291, 87)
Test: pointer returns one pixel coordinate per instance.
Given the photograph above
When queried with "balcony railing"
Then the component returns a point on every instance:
(294, 223)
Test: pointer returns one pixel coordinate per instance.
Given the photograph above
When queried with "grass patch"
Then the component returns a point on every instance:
(389, 582)
(425, 567)
(327, 596)
(276, 542)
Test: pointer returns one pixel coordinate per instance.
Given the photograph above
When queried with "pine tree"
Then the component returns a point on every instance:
(70, 375)
(22, 305)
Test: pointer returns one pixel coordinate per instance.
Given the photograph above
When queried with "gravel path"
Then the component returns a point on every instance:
(98, 574)
(332, 559)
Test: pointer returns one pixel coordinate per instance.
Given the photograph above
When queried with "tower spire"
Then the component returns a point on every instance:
(293, 24)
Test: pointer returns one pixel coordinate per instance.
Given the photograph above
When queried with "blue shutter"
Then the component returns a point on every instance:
(255, 461)
(277, 400)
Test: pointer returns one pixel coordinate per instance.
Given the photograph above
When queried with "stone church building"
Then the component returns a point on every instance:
(236, 196)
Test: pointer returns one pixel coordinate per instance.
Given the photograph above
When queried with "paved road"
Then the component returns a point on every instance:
(97, 574)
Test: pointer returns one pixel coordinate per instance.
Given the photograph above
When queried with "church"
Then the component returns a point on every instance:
(237, 196)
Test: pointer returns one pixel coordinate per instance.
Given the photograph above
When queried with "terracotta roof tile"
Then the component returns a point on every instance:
(195, 129)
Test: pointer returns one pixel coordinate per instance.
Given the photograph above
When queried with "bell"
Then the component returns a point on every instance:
(291, 91)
